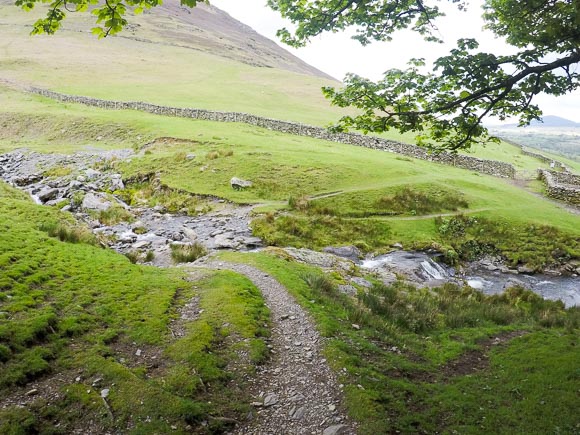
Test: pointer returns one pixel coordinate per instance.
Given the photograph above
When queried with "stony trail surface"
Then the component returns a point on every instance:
(296, 392)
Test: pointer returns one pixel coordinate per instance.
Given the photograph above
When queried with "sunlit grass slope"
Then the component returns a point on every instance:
(128, 69)
(71, 313)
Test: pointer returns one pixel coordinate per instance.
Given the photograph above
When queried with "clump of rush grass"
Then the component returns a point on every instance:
(318, 282)
(187, 253)
(212, 155)
(114, 215)
(68, 233)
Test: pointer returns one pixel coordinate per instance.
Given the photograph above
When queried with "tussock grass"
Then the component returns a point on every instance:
(187, 253)
(536, 246)
(67, 232)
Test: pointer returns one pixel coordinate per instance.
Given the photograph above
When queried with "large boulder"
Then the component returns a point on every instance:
(350, 252)
(239, 184)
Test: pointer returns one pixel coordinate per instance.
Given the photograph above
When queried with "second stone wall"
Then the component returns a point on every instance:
(491, 167)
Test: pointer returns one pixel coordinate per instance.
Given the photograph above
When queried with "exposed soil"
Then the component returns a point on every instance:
(477, 360)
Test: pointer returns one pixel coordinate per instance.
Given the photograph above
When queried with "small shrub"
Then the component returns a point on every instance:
(301, 203)
(140, 230)
(180, 156)
(187, 253)
(150, 256)
(226, 153)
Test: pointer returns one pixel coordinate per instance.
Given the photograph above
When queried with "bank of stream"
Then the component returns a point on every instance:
(82, 183)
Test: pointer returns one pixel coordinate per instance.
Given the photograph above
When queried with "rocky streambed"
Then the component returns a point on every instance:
(82, 184)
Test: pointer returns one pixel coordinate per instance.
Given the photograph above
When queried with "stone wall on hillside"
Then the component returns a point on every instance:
(491, 167)
(562, 186)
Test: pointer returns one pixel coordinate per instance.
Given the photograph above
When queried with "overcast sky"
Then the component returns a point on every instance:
(337, 54)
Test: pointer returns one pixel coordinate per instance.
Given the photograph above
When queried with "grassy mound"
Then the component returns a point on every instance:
(76, 319)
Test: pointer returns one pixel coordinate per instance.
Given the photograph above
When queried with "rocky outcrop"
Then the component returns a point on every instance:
(491, 167)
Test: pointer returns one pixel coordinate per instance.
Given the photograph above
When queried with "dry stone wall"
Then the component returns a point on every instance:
(491, 167)
(562, 186)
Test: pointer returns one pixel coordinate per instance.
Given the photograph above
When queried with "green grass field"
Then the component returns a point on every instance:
(71, 313)
(424, 361)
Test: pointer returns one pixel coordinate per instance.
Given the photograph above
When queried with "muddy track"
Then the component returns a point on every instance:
(296, 392)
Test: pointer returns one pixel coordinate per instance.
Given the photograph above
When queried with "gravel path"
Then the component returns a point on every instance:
(296, 392)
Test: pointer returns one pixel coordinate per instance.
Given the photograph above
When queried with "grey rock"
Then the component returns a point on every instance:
(513, 282)
(271, 399)
(347, 289)
(95, 202)
(350, 252)
(142, 244)
(116, 182)
(337, 429)
(222, 241)
(47, 194)
(251, 242)
(92, 174)
(525, 269)
(239, 184)
(297, 413)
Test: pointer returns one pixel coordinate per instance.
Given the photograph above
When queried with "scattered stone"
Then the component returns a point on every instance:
(32, 392)
(95, 202)
(138, 352)
(48, 194)
(92, 174)
(347, 289)
(297, 413)
(525, 269)
(142, 244)
(355, 326)
(337, 429)
(116, 183)
(271, 399)
(105, 393)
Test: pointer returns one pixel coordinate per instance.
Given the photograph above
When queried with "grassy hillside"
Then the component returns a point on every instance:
(158, 71)
(340, 205)
(76, 319)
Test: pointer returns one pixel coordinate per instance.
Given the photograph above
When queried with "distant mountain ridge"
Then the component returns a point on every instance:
(549, 121)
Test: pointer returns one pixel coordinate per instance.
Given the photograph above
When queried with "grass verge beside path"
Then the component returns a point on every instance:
(448, 360)
(76, 320)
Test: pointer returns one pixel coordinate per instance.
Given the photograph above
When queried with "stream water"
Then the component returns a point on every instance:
(422, 267)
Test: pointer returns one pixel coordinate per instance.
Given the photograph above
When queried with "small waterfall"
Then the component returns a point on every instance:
(434, 270)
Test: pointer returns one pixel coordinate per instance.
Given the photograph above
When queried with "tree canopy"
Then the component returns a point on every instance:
(444, 106)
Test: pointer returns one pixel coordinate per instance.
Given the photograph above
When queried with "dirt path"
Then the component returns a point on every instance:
(296, 392)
